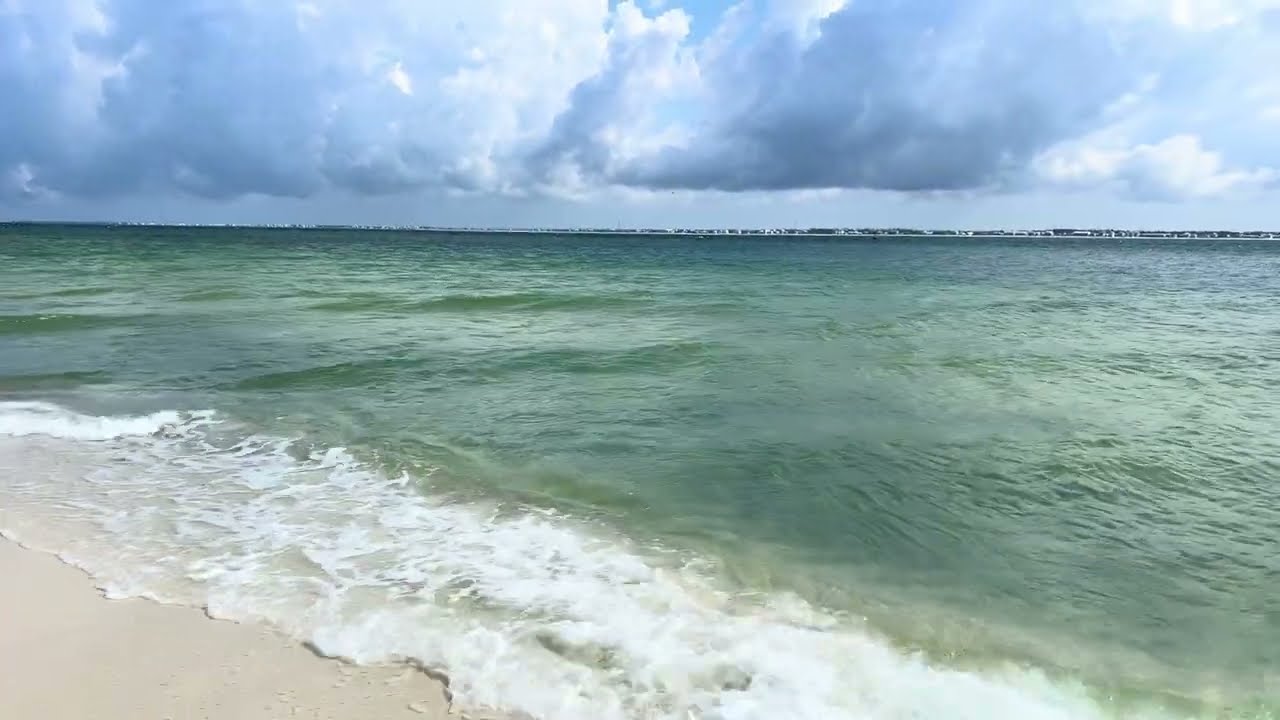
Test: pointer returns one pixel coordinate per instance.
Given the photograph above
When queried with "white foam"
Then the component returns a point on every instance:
(20, 419)
(526, 611)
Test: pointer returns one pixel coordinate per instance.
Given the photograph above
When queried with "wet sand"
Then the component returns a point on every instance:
(68, 653)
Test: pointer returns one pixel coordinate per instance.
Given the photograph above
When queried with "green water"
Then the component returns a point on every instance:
(1058, 454)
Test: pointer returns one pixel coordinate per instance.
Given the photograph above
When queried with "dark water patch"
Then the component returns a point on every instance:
(527, 302)
(716, 307)
(308, 293)
(58, 322)
(485, 367)
(831, 329)
(1004, 366)
(52, 381)
(580, 361)
(700, 304)
(72, 292)
(82, 292)
(982, 367)
(210, 295)
(886, 329)
(361, 302)
(338, 375)
(513, 302)
(1042, 304)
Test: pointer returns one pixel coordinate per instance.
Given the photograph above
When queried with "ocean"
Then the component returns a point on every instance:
(607, 477)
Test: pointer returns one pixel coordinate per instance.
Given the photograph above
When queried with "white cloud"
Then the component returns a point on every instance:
(614, 117)
(800, 17)
(1177, 167)
(20, 180)
(400, 79)
(1186, 15)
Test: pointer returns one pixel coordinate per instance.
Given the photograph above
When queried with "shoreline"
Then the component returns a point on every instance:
(1123, 232)
(67, 652)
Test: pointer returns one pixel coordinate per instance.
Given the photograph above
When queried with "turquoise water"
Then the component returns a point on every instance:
(673, 477)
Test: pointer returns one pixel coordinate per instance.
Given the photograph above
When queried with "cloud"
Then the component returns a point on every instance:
(905, 95)
(933, 95)
(299, 98)
(1174, 168)
(228, 97)
(610, 119)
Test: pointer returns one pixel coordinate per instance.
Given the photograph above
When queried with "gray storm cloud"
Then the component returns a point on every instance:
(920, 95)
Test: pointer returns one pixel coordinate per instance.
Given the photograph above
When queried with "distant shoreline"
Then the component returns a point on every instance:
(1059, 233)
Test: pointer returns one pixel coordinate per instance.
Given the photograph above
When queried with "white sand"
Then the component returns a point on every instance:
(67, 653)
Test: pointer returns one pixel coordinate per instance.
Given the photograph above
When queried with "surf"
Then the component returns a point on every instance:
(524, 608)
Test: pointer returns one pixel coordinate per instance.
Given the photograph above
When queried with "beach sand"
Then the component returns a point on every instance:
(67, 653)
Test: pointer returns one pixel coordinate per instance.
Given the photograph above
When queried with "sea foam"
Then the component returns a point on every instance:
(524, 609)
(18, 419)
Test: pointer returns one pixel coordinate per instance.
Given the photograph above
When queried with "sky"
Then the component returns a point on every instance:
(643, 113)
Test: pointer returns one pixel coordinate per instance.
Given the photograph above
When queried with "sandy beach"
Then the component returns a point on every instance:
(68, 653)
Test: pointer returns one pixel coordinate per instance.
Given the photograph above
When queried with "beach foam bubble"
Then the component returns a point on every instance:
(19, 419)
(524, 609)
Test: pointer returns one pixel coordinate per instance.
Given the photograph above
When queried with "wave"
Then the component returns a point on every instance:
(525, 609)
(23, 419)
(82, 292)
(478, 303)
(52, 381)
(59, 322)
(65, 292)
(210, 295)
(347, 374)
(658, 356)
(487, 366)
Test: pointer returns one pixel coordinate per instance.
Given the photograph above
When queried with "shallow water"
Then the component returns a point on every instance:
(646, 477)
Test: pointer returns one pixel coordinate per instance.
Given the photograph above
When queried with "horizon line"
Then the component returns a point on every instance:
(816, 230)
